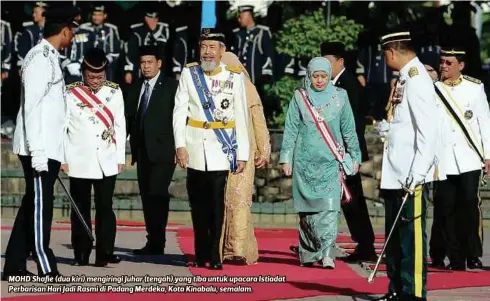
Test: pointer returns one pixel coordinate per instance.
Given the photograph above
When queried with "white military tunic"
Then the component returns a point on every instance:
(229, 98)
(43, 105)
(413, 136)
(468, 99)
(92, 150)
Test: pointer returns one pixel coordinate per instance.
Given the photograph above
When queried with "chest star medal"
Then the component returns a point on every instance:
(225, 104)
(468, 114)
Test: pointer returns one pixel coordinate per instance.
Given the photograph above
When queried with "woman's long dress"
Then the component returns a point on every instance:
(316, 173)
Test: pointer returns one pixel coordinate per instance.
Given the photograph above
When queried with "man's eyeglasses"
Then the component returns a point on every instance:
(446, 62)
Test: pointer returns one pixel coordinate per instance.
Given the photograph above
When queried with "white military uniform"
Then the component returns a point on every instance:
(44, 108)
(92, 149)
(203, 146)
(468, 99)
(413, 135)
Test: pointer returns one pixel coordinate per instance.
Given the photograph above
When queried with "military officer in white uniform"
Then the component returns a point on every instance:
(466, 152)
(211, 139)
(38, 141)
(408, 164)
(95, 152)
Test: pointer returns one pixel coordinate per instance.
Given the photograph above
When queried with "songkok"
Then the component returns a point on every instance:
(212, 34)
(332, 48)
(396, 37)
(95, 60)
(65, 16)
(149, 50)
(245, 8)
(41, 4)
(452, 51)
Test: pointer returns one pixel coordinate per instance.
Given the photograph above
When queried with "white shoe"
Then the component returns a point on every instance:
(328, 263)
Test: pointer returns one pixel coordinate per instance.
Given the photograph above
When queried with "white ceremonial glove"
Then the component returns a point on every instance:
(74, 69)
(39, 161)
(382, 128)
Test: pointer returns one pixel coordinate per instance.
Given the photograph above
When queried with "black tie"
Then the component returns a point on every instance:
(145, 98)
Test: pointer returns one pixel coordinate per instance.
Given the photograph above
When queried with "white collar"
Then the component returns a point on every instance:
(334, 81)
(153, 80)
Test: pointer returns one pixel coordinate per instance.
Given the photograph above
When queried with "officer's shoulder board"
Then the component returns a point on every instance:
(110, 25)
(74, 85)
(5, 23)
(234, 68)
(111, 84)
(236, 30)
(263, 27)
(27, 24)
(136, 25)
(413, 71)
(192, 64)
(163, 24)
(182, 28)
(472, 79)
(86, 25)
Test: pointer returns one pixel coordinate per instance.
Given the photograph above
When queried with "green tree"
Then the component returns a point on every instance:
(302, 37)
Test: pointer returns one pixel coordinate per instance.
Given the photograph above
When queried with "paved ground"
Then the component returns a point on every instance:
(175, 263)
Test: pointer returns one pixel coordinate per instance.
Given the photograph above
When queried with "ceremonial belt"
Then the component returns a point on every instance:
(327, 136)
(459, 122)
(228, 144)
(210, 125)
(101, 111)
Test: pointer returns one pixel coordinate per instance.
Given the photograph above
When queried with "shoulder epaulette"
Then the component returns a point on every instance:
(111, 84)
(5, 22)
(28, 23)
(111, 25)
(181, 28)
(192, 64)
(472, 79)
(163, 23)
(234, 69)
(86, 24)
(136, 25)
(236, 29)
(413, 71)
(263, 27)
(74, 85)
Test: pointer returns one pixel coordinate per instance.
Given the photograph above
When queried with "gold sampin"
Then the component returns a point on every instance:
(468, 114)
(413, 71)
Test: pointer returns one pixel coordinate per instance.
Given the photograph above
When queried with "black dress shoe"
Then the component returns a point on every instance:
(216, 266)
(108, 259)
(360, 256)
(388, 297)
(80, 262)
(456, 267)
(6, 275)
(199, 264)
(474, 264)
(438, 264)
(148, 250)
(294, 249)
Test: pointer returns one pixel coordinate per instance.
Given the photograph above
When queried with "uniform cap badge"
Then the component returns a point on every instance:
(468, 114)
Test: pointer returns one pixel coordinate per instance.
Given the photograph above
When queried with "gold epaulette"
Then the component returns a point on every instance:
(111, 84)
(74, 85)
(472, 79)
(192, 64)
(234, 69)
(413, 71)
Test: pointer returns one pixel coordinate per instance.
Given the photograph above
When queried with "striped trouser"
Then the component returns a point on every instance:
(31, 232)
(406, 251)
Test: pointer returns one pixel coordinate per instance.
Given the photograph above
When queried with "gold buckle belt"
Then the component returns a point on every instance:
(211, 125)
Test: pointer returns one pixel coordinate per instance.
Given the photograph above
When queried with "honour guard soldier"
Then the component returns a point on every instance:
(408, 166)
(181, 51)
(38, 141)
(32, 33)
(6, 48)
(253, 45)
(150, 105)
(466, 152)
(211, 137)
(152, 32)
(105, 36)
(95, 152)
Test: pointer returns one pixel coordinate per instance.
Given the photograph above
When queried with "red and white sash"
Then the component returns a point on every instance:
(327, 136)
(101, 111)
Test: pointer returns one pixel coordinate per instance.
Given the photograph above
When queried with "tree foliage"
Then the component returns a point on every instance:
(302, 36)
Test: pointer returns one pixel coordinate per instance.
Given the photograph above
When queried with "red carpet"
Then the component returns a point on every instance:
(123, 223)
(277, 260)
